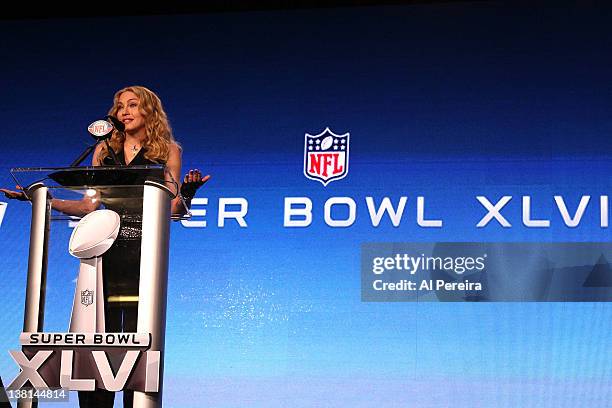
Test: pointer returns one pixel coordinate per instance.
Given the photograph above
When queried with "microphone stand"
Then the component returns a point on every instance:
(89, 149)
(84, 155)
(112, 153)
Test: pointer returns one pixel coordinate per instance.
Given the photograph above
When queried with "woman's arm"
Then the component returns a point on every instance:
(186, 186)
(77, 208)
(82, 207)
(173, 165)
(74, 207)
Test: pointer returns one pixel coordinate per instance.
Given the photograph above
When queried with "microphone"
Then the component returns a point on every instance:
(102, 130)
(119, 125)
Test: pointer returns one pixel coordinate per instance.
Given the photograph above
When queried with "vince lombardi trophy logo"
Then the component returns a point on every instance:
(87, 297)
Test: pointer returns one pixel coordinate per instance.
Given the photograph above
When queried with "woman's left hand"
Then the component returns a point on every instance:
(192, 181)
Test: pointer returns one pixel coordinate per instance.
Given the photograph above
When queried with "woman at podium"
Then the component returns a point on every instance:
(147, 139)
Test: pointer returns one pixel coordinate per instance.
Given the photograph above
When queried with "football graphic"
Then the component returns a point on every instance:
(94, 234)
(327, 143)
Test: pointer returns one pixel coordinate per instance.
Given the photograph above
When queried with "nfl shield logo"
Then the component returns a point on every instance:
(326, 156)
(87, 297)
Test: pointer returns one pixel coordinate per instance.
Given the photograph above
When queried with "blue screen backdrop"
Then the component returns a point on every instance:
(444, 101)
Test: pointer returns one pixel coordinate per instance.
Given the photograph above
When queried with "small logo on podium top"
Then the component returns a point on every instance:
(87, 297)
(326, 156)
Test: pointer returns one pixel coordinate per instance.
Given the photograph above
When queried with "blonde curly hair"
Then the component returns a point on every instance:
(159, 136)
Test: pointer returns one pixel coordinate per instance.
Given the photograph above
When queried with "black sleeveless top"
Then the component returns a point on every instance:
(131, 217)
(138, 160)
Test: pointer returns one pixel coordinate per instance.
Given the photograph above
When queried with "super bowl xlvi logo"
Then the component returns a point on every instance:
(87, 297)
(326, 156)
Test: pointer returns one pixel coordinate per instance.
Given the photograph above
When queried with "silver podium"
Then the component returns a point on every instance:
(145, 191)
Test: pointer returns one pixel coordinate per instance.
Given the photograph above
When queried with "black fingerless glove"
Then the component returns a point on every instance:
(188, 190)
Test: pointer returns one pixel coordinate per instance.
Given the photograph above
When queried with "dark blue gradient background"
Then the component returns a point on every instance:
(448, 102)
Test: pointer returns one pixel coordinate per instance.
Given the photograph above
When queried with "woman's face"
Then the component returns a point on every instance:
(128, 112)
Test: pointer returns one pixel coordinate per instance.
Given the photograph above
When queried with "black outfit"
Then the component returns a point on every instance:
(121, 272)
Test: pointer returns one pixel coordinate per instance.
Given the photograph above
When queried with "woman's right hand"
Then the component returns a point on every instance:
(14, 195)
